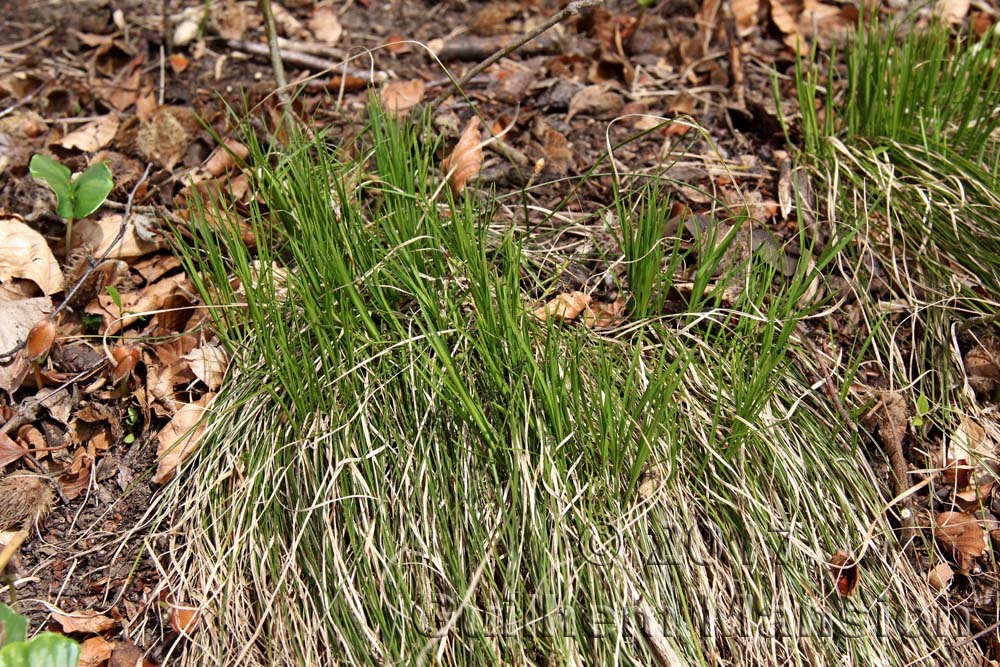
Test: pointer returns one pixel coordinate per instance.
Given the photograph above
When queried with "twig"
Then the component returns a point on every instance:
(14, 46)
(276, 64)
(572, 9)
(298, 58)
(93, 263)
(828, 385)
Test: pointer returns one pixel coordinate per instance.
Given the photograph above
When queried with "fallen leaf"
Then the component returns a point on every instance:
(184, 620)
(179, 62)
(126, 654)
(398, 97)
(224, 158)
(565, 307)
(94, 652)
(602, 315)
(180, 438)
(845, 572)
(982, 366)
(952, 12)
(89, 622)
(93, 136)
(598, 101)
(24, 253)
(940, 576)
(963, 535)
(10, 451)
(467, 158)
(209, 363)
(745, 13)
(100, 236)
(325, 25)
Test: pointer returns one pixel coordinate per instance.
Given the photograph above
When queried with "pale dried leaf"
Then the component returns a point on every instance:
(184, 620)
(95, 652)
(565, 307)
(745, 12)
(93, 136)
(467, 158)
(180, 438)
(940, 576)
(963, 535)
(325, 25)
(398, 97)
(597, 101)
(89, 622)
(952, 12)
(209, 363)
(24, 253)
(99, 237)
(602, 315)
(223, 158)
(10, 451)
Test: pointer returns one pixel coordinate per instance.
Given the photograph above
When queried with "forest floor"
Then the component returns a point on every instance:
(149, 88)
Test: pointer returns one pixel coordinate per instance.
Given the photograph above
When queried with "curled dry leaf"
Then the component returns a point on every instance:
(940, 576)
(40, 339)
(602, 315)
(180, 438)
(126, 359)
(10, 451)
(95, 652)
(93, 136)
(325, 25)
(223, 158)
(398, 97)
(209, 363)
(24, 253)
(184, 620)
(962, 534)
(467, 158)
(845, 572)
(565, 307)
(89, 622)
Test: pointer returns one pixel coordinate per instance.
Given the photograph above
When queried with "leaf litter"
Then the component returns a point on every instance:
(158, 367)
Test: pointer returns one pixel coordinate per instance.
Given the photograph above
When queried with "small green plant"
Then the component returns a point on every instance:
(132, 421)
(78, 195)
(45, 650)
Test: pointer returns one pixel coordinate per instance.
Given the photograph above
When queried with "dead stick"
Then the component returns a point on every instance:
(301, 59)
(571, 9)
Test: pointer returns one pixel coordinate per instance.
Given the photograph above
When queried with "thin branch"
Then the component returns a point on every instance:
(571, 9)
(276, 64)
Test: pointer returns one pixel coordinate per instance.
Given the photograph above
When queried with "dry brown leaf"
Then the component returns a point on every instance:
(10, 451)
(963, 535)
(940, 576)
(135, 305)
(209, 363)
(325, 25)
(99, 236)
(184, 620)
(89, 622)
(180, 438)
(93, 136)
(565, 307)
(398, 97)
(952, 12)
(223, 158)
(598, 101)
(95, 651)
(982, 366)
(602, 315)
(745, 12)
(845, 572)
(24, 253)
(467, 158)
(126, 654)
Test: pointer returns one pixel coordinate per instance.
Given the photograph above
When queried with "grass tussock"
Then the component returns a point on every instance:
(407, 467)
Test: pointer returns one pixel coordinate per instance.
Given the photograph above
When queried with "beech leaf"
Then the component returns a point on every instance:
(467, 158)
